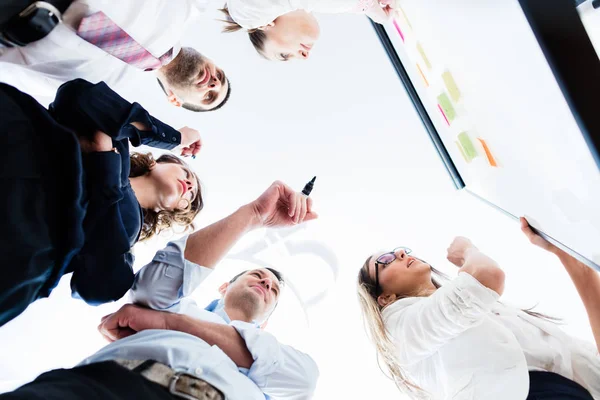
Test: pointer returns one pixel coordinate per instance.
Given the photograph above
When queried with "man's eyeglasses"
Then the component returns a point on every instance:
(385, 259)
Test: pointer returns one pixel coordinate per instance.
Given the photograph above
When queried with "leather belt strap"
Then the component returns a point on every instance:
(179, 384)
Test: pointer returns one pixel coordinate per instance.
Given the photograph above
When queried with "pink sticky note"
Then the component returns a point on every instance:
(443, 114)
(399, 30)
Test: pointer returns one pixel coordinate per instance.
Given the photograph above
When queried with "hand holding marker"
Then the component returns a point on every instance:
(309, 187)
(303, 204)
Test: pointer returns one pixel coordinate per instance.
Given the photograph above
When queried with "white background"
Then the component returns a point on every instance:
(344, 116)
(510, 98)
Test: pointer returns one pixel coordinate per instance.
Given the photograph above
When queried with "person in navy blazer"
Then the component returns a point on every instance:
(75, 200)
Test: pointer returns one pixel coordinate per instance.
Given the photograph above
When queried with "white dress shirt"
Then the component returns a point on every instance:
(278, 371)
(461, 343)
(252, 14)
(42, 66)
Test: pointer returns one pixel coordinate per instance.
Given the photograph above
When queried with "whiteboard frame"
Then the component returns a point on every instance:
(563, 39)
(578, 83)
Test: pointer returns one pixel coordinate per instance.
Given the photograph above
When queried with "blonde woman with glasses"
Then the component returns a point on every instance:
(453, 339)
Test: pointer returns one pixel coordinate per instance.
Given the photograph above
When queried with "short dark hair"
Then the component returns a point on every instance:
(194, 107)
(277, 274)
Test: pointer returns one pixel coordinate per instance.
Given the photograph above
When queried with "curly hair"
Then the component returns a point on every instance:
(156, 221)
(257, 36)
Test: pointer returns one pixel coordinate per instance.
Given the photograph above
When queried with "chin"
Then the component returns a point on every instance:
(423, 267)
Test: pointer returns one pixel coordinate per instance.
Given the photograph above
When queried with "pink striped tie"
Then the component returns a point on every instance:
(102, 32)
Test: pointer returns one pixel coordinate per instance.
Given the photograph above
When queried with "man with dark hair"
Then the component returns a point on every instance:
(179, 350)
(117, 42)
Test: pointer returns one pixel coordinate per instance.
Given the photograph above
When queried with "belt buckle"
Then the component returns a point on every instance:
(173, 390)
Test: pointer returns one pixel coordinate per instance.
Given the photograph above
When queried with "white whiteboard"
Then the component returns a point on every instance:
(507, 96)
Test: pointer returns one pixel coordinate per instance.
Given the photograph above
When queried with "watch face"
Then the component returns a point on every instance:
(31, 26)
(41, 17)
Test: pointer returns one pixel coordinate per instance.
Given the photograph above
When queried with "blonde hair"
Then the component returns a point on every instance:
(379, 335)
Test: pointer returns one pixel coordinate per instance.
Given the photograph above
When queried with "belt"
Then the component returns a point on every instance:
(28, 21)
(179, 384)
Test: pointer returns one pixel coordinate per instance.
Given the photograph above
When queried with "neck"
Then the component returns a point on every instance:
(428, 289)
(237, 314)
(143, 191)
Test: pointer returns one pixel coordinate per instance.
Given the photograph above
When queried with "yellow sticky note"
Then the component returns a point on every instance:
(446, 106)
(451, 86)
(405, 17)
(423, 55)
(467, 145)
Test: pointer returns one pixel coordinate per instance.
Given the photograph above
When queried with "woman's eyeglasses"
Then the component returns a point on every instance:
(385, 259)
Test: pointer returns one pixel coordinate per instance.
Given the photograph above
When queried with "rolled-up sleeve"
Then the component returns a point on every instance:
(86, 108)
(420, 326)
(280, 371)
(169, 277)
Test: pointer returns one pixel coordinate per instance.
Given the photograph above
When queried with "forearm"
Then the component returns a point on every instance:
(87, 107)
(587, 283)
(484, 269)
(224, 337)
(208, 245)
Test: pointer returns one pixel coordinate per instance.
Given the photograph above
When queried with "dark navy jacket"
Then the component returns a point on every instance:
(112, 220)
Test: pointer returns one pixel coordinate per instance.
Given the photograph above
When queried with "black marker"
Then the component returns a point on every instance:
(309, 187)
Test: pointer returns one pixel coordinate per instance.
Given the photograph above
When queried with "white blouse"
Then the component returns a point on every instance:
(461, 343)
(250, 14)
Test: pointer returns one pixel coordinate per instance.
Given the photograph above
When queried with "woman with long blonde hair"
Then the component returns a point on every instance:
(452, 339)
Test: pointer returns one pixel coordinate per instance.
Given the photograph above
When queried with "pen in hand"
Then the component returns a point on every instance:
(309, 187)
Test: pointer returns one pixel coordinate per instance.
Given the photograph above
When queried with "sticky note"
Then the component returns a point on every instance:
(405, 17)
(422, 75)
(467, 145)
(451, 86)
(446, 106)
(462, 152)
(399, 30)
(443, 115)
(488, 153)
(423, 55)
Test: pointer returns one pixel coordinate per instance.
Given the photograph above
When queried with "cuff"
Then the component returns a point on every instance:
(193, 274)
(473, 292)
(265, 350)
(165, 137)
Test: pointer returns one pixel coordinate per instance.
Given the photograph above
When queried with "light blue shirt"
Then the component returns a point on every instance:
(278, 371)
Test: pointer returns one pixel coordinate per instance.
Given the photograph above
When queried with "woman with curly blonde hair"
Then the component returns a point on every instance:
(75, 200)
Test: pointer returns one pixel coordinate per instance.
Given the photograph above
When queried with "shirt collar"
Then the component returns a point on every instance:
(217, 306)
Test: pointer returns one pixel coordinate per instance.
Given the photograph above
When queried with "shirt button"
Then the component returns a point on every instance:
(163, 134)
(198, 371)
(174, 139)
